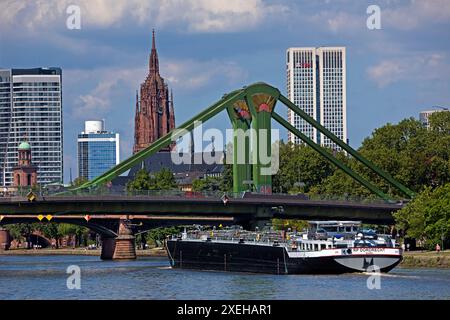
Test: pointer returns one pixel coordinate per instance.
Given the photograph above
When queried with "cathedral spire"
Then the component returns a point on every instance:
(137, 102)
(154, 63)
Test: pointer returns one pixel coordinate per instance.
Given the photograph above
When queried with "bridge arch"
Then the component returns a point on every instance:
(103, 231)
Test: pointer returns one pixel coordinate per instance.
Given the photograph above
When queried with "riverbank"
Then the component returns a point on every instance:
(152, 252)
(426, 259)
(411, 259)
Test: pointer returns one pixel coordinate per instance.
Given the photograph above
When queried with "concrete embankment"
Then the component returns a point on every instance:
(426, 259)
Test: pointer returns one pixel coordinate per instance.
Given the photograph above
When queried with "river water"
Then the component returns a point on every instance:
(45, 277)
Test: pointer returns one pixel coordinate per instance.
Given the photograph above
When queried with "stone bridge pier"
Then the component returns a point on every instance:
(122, 247)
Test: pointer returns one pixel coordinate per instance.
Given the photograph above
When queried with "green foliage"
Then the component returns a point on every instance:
(162, 180)
(21, 230)
(210, 184)
(158, 235)
(301, 168)
(226, 181)
(79, 181)
(51, 230)
(427, 217)
(284, 224)
(413, 155)
(141, 181)
(165, 180)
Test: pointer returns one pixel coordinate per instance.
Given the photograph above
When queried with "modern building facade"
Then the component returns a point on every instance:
(98, 150)
(154, 116)
(31, 110)
(316, 82)
(425, 115)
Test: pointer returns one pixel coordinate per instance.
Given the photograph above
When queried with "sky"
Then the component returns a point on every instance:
(210, 47)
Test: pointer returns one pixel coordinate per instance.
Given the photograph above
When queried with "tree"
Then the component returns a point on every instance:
(79, 181)
(207, 184)
(165, 180)
(21, 231)
(226, 180)
(427, 217)
(284, 224)
(410, 153)
(50, 230)
(158, 235)
(300, 169)
(79, 233)
(162, 180)
(141, 181)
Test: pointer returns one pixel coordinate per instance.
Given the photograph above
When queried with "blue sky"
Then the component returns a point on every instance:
(210, 47)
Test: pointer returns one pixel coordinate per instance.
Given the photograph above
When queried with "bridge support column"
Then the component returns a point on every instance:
(261, 106)
(5, 239)
(262, 217)
(108, 246)
(125, 246)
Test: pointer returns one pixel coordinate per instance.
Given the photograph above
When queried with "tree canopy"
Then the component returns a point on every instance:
(162, 180)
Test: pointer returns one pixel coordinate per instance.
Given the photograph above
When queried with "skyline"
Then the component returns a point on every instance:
(204, 52)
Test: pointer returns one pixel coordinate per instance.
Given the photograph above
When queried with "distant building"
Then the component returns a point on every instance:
(98, 150)
(25, 173)
(31, 109)
(184, 174)
(425, 115)
(316, 82)
(154, 116)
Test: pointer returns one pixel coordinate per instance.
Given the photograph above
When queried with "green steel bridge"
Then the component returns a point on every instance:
(119, 216)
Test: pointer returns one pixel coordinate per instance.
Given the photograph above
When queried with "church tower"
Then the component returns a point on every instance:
(154, 115)
(25, 173)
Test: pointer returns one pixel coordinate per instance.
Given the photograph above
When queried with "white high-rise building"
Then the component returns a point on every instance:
(316, 82)
(424, 116)
(31, 110)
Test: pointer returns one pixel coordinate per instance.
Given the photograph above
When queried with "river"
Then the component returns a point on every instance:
(45, 277)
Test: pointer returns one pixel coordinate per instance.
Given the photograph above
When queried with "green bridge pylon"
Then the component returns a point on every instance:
(250, 110)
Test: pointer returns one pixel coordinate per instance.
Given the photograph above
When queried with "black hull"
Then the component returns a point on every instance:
(202, 255)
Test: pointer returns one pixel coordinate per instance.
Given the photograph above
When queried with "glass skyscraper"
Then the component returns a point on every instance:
(316, 82)
(98, 150)
(31, 110)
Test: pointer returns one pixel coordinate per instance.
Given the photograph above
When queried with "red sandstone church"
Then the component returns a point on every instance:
(154, 107)
(25, 172)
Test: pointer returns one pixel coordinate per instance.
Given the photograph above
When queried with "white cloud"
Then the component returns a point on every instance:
(418, 67)
(416, 14)
(99, 101)
(190, 15)
(193, 75)
(338, 21)
(182, 75)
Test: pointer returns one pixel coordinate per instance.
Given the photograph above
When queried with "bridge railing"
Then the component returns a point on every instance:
(120, 192)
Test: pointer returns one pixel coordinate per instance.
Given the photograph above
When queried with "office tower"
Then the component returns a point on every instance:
(31, 110)
(98, 150)
(424, 116)
(316, 82)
